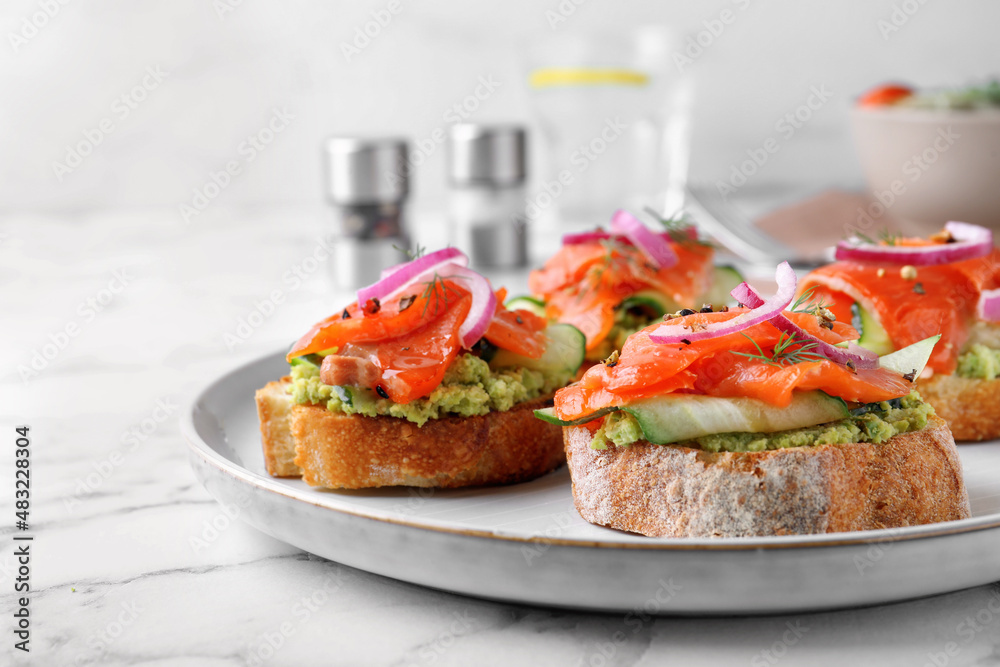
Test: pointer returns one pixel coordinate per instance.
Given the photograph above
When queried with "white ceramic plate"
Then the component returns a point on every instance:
(526, 543)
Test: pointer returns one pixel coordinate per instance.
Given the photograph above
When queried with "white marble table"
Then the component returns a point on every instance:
(133, 562)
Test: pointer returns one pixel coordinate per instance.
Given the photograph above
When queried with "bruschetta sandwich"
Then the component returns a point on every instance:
(610, 284)
(766, 419)
(898, 290)
(427, 379)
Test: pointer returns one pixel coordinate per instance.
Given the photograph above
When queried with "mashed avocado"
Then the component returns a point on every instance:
(470, 387)
(979, 363)
(880, 422)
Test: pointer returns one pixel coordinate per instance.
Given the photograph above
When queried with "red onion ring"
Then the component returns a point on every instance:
(484, 303)
(971, 241)
(765, 311)
(401, 275)
(856, 355)
(651, 244)
(988, 307)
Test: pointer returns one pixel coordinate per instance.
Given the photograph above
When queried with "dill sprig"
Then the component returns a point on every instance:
(789, 349)
(412, 254)
(889, 237)
(677, 227)
(808, 303)
(436, 290)
(884, 235)
(615, 256)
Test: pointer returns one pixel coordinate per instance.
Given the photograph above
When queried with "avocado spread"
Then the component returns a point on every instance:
(979, 363)
(878, 423)
(470, 387)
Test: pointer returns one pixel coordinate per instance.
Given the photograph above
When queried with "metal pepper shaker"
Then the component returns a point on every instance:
(486, 173)
(366, 183)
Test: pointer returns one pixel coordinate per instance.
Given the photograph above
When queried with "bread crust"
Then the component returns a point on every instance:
(971, 407)
(274, 409)
(340, 451)
(673, 491)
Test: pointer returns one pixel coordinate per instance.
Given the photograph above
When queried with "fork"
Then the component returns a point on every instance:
(734, 230)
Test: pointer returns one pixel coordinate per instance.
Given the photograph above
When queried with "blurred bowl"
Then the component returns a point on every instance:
(929, 166)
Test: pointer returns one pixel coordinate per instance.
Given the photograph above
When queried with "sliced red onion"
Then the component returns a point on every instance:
(402, 275)
(484, 303)
(601, 235)
(989, 305)
(970, 241)
(651, 244)
(856, 355)
(588, 237)
(763, 312)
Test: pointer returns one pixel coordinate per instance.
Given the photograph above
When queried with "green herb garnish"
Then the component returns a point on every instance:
(788, 350)
(807, 303)
(678, 227)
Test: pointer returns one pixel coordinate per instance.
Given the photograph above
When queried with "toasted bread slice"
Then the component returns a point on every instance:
(674, 491)
(341, 451)
(352, 451)
(274, 408)
(971, 407)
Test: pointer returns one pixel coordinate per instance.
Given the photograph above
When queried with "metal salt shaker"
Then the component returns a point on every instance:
(367, 183)
(486, 172)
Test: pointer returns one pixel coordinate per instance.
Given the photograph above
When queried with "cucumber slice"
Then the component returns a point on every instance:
(310, 359)
(724, 280)
(529, 303)
(680, 417)
(548, 415)
(567, 346)
(873, 335)
(911, 359)
(652, 302)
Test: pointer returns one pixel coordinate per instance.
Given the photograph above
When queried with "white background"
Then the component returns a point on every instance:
(229, 69)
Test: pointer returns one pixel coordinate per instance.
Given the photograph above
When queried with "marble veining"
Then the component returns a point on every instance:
(134, 563)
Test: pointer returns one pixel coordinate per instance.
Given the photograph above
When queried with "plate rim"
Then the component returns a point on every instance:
(200, 447)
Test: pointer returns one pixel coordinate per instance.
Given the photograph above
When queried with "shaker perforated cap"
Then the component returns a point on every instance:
(365, 170)
(484, 154)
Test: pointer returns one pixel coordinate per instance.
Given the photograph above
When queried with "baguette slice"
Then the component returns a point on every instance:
(339, 451)
(274, 408)
(674, 491)
(971, 407)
